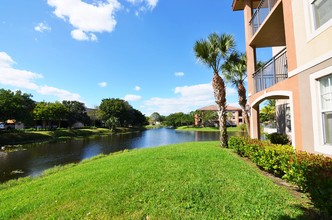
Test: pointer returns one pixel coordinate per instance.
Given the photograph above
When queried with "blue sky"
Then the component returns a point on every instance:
(137, 50)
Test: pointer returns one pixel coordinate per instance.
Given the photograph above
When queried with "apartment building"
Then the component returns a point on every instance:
(234, 115)
(300, 71)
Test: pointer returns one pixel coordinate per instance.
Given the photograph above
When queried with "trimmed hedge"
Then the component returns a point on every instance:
(311, 172)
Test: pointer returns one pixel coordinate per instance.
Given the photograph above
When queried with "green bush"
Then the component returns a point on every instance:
(237, 143)
(277, 138)
(311, 172)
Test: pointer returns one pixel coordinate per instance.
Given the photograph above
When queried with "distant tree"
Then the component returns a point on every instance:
(139, 118)
(211, 52)
(122, 110)
(42, 113)
(154, 117)
(76, 112)
(48, 112)
(95, 115)
(178, 119)
(116, 108)
(58, 112)
(112, 123)
(16, 105)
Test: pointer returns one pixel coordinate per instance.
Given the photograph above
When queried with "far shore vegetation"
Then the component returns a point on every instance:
(211, 129)
(196, 180)
(38, 136)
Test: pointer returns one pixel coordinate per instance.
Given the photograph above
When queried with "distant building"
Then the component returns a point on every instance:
(234, 116)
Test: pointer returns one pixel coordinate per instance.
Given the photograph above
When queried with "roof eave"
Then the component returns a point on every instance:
(238, 5)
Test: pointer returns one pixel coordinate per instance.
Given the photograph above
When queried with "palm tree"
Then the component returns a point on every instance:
(235, 72)
(211, 52)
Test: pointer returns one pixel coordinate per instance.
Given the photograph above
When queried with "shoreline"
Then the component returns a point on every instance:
(17, 139)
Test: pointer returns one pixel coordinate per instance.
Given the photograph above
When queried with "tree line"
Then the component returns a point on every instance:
(110, 113)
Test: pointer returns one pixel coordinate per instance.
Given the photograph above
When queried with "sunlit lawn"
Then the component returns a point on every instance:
(185, 181)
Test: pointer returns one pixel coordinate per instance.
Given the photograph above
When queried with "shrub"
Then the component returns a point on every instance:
(237, 143)
(311, 172)
(277, 138)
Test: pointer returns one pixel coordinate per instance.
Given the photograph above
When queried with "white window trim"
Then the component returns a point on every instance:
(317, 120)
(310, 22)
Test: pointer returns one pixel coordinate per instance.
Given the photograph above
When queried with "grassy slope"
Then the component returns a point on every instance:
(188, 181)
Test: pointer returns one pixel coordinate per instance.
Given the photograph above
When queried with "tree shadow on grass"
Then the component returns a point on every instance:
(309, 213)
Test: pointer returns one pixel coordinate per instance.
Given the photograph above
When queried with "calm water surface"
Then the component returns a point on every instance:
(35, 159)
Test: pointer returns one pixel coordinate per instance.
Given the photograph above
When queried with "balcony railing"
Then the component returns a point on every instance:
(274, 71)
(260, 14)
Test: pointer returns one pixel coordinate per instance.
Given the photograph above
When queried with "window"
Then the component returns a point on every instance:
(322, 10)
(326, 107)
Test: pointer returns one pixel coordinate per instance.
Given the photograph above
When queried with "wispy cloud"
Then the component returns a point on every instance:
(132, 98)
(85, 18)
(143, 5)
(148, 4)
(102, 84)
(41, 27)
(23, 79)
(179, 73)
(137, 88)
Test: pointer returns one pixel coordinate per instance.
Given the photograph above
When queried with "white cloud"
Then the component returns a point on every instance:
(179, 73)
(150, 4)
(137, 88)
(60, 93)
(41, 27)
(82, 36)
(85, 18)
(102, 84)
(132, 98)
(189, 98)
(23, 79)
(5, 60)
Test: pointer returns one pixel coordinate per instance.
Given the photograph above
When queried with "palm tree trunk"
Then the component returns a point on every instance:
(220, 97)
(243, 102)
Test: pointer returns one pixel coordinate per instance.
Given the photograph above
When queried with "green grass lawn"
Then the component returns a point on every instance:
(184, 181)
(191, 128)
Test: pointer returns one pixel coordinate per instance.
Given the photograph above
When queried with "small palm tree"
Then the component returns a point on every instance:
(235, 72)
(212, 52)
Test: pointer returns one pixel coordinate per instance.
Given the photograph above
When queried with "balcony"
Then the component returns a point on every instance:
(274, 71)
(260, 14)
(267, 25)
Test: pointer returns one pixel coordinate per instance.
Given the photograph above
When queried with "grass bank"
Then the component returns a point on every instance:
(191, 128)
(26, 137)
(184, 181)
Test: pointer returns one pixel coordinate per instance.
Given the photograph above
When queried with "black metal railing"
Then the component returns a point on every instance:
(260, 14)
(274, 71)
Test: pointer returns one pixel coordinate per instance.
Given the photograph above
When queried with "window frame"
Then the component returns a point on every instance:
(310, 19)
(321, 109)
(317, 119)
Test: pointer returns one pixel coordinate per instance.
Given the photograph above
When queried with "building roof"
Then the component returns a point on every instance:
(215, 108)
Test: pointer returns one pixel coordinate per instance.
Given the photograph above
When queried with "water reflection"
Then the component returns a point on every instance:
(37, 158)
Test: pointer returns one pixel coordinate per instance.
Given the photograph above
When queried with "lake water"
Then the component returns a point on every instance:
(36, 158)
